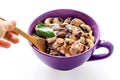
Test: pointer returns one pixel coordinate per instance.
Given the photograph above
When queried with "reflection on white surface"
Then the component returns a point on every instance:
(20, 63)
(84, 73)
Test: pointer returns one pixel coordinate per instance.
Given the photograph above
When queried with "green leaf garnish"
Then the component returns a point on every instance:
(45, 32)
(40, 24)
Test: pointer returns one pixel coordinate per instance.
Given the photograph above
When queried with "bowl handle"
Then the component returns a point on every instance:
(104, 44)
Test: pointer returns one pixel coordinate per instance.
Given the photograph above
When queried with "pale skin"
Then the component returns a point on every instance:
(10, 36)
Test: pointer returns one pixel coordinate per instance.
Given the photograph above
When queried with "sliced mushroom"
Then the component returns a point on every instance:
(90, 43)
(60, 29)
(77, 31)
(51, 40)
(60, 40)
(56, 53)
(86, 28)
(69, 41)
(68, 20)
(77, 48)
(72, 36)
(58, 20)
(48, 21)
(61, 34)
(68, 54)
(58, 43)
(88, 36)
(76, 22)
(57, 27)
(82, 40)
(70, 28)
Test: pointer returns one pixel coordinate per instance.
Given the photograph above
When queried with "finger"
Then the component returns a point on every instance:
(12, 37)
(4, 44)
(15, 33)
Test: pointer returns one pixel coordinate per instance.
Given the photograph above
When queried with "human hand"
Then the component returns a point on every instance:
(7, 35)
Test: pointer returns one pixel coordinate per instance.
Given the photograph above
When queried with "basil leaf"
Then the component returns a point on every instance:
(40, 24)
(45, 32)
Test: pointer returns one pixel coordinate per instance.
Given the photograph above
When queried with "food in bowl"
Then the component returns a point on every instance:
(65, 37)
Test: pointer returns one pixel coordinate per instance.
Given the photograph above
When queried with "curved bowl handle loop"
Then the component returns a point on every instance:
(104, 44)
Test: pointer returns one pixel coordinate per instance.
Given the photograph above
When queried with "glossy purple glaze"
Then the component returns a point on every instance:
(67, 63)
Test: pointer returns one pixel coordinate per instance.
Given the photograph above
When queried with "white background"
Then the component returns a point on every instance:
(20, 63)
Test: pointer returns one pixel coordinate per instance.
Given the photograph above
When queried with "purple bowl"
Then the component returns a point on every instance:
(67, 63)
